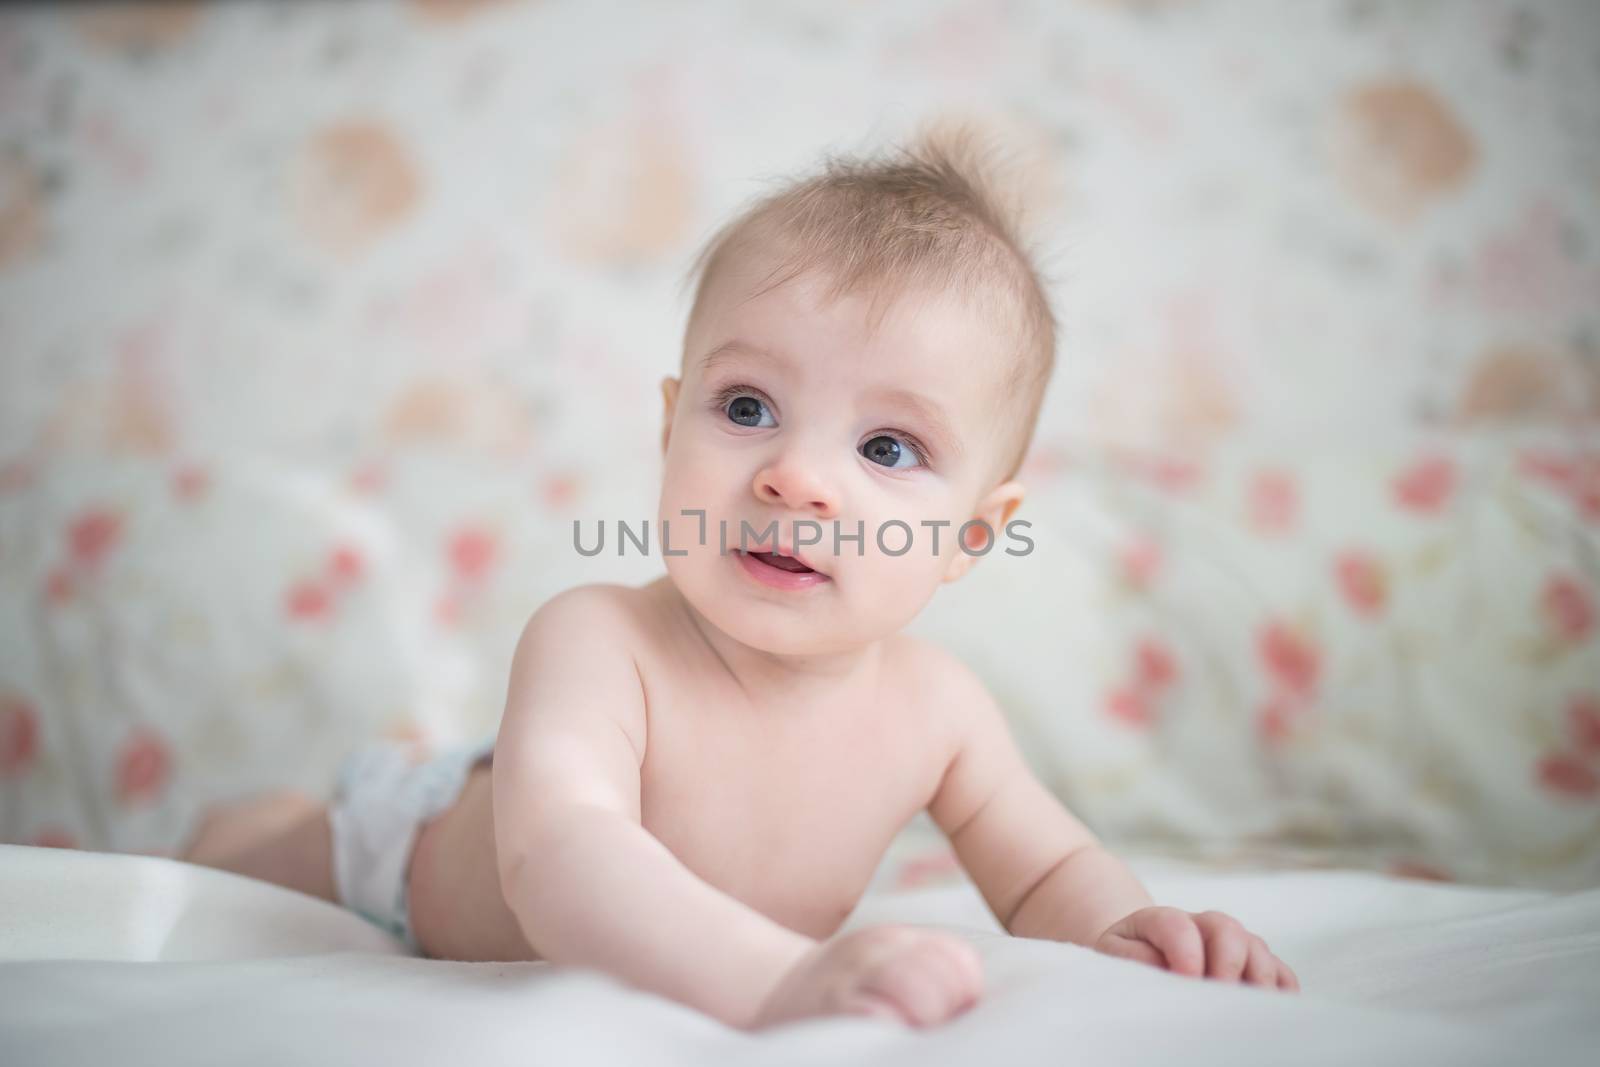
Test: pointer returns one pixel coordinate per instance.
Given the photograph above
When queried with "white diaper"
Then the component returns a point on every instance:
(382, 800)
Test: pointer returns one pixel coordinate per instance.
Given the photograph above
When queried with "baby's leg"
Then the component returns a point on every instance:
(280, 837)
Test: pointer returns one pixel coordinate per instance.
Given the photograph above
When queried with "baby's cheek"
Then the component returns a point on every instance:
(683, 479)
(894, 588)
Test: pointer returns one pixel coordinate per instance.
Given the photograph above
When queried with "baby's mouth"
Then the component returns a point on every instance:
(781, 571)
(783, 563)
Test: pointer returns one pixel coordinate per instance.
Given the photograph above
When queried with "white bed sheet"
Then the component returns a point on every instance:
(139, 960)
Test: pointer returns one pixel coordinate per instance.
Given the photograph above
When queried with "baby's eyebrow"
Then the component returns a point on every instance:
(729, 349)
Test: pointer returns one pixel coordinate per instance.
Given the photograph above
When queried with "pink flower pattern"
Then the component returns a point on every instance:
(19, 736)
(1568, 608)
(1361, 580)
(1425, 486)
(1291, 660)
(143, 768)
(1274, 502)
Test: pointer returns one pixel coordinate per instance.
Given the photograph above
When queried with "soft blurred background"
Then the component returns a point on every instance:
(320, 323)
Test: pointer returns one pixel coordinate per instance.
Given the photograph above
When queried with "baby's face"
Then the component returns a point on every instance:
(790, 409)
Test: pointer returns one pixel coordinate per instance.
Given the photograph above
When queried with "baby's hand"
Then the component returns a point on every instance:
(1208, 944)
(919, 977)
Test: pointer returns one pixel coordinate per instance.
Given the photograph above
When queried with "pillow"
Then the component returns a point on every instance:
(1388, 655)
(175, 634)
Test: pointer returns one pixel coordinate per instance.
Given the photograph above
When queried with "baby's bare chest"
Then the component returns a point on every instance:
(790, 817)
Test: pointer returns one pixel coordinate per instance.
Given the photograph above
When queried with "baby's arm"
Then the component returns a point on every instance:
(589, 886)
(1045, 875)
(1041, 871)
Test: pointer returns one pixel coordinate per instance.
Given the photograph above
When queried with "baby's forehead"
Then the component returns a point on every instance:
(859, 343)
(911, 322)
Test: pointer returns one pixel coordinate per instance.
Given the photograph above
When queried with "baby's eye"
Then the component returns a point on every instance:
(748, 411)
(886, 451)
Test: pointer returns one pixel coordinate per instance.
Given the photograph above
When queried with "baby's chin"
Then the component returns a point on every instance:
(756, 627)
(790, 644)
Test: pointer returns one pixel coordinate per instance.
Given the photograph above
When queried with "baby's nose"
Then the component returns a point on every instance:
(798, 486)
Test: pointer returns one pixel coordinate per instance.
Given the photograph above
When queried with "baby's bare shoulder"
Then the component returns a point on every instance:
(576, 665)
(586, 611)
(938, 681)
(589, 633)
(602, 629)
(931, 664)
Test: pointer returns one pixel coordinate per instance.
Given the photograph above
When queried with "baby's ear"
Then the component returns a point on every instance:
(669, 397)
(995, 510)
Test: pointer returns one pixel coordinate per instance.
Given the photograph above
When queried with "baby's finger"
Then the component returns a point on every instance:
(921, 994)
(946, 970)
(1129, 949)
(1286, 978)
(968, 965)
(1174, 932)
(874, 1005)
(913, 996)
(1262, 967)
(1227, 945)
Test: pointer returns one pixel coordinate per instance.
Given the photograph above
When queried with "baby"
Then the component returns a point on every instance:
(695, 780)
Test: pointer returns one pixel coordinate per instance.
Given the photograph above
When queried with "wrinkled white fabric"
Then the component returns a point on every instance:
(157, 962)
